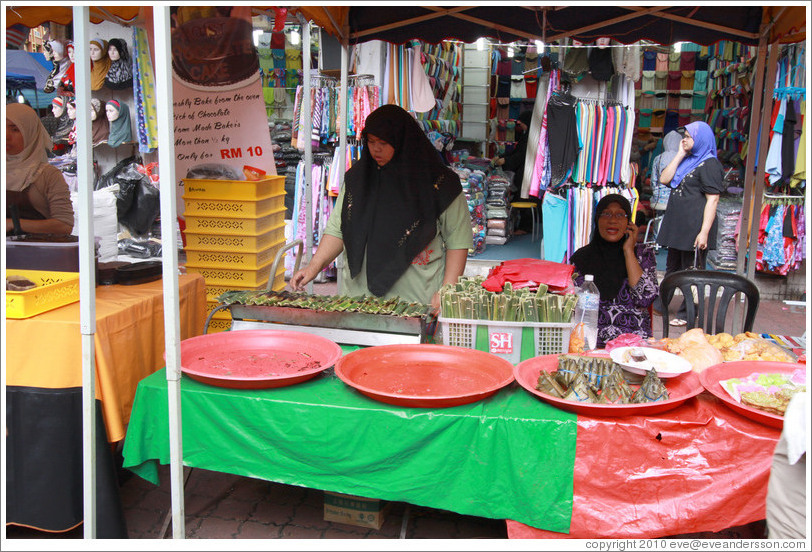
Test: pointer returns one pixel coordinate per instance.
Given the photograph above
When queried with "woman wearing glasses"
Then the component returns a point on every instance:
(625, 272)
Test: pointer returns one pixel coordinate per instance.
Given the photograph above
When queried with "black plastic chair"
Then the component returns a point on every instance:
(711, 316)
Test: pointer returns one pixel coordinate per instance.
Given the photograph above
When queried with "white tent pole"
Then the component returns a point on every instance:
(306, 128)
(343, 112)
(166, 164)
(87, 273)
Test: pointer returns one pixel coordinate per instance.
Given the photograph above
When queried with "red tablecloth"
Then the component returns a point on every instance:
(700, 467)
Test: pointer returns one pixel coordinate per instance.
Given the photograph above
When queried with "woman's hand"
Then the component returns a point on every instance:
(435, 303)
(701, 241)
(632, 231)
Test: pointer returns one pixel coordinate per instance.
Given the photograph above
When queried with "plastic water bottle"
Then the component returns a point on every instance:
(586, 311)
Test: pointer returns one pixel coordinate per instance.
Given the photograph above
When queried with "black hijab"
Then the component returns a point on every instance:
(601, 258)
(390, 213)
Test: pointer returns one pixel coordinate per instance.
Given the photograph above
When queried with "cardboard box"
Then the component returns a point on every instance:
(354, 510)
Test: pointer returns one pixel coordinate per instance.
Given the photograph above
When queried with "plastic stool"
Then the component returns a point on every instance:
(533, 211)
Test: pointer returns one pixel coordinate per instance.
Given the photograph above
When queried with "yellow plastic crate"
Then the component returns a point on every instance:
(237, 276)
(221, 314)
(54, 290)
(239, 208)
(213, 292)
(219, 242)
(233, 189)
(231, 226)
(233, 259)
(218, 325)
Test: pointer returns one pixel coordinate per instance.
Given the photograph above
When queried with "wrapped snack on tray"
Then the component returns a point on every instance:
(750, 346)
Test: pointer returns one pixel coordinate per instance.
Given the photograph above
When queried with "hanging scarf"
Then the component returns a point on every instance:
(24, 167)
(390, 213)
(120, 74)
(98, 69)
(704, 148)
(120, 130)
(144, 93)
(604, 259)
(100, 126)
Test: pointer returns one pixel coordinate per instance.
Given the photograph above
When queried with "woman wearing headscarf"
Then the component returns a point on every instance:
(696, 179)
(624, 271)
(401, 217)
(34, 186)
(120, 128)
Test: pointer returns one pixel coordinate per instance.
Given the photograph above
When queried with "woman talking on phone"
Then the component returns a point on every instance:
(625, 272)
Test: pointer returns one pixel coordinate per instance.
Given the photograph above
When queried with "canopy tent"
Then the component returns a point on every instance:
(754, 25)
(26, 73)
(626, 24)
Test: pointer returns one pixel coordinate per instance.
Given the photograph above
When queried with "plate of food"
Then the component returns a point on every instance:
(256, 359)
(595, 386)
(640, 360)
(423, 375)
(757, 389)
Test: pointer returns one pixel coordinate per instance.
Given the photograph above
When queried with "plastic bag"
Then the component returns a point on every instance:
(145, 208)
(126, 184)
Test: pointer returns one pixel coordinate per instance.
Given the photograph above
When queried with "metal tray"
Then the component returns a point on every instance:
(411, 325)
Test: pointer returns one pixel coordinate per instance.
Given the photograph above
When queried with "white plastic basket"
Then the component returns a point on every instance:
(513, 341)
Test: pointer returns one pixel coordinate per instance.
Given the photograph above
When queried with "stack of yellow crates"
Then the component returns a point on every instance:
(234, 229)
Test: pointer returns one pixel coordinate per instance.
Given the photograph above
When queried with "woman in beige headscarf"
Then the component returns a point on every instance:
(34, 186)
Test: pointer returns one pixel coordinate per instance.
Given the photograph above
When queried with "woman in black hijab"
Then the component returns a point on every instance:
(625, 272)
(401, 217)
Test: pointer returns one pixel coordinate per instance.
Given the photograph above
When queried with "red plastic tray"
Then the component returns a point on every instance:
(421, 375)
(680, 389)
(712, 375)
(256, 359)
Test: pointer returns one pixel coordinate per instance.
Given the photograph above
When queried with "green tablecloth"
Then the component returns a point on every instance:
(510, 456)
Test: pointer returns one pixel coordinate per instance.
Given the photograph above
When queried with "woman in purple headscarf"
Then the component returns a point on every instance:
(696, 179)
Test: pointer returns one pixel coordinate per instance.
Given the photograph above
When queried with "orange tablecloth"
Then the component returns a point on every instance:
(46, 350)
(700, 467)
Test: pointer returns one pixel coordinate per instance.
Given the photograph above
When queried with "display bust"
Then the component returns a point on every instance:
(120, 74)
(99, 63)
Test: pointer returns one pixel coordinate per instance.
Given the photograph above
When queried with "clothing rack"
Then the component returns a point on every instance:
(776, 199)
(791, 92)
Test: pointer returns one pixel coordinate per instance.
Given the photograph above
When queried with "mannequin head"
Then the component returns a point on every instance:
(57, 49)
(117, 50)
(113, 109)
(70, 50)
(97, 49)
(58, 106)
(71, 109)
(95, 108)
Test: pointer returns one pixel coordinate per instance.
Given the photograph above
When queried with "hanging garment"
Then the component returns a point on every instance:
(146, 119)
(554, 220)
(561, 124)
(649, 60)
(601, 66)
